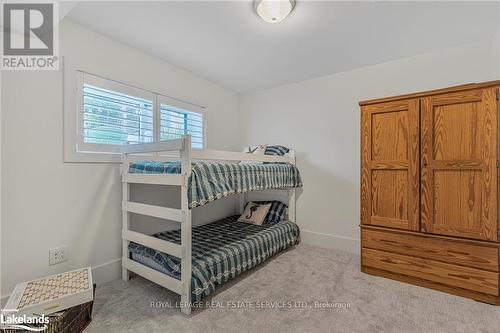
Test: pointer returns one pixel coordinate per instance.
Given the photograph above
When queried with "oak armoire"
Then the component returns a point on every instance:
(429, 189)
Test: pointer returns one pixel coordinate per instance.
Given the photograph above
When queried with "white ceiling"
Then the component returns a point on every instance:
(230, 45)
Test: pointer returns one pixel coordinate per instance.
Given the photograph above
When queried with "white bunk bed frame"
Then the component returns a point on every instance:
(182, 147)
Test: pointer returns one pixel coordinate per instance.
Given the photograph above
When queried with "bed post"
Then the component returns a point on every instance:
(240, 203)
(241, 198)
(125, 216)
(291, 192)
(186, 226)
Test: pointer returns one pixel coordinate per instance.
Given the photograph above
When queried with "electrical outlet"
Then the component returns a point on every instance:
(58, 255)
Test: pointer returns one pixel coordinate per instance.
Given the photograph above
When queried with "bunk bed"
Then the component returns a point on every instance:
(192, 261)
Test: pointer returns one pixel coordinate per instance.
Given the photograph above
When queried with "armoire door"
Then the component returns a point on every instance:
(459, 156)
(390, 164)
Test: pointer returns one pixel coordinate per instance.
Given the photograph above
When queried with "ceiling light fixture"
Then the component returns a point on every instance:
(273, 11)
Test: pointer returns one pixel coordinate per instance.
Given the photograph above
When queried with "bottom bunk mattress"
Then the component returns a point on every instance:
(221, 250)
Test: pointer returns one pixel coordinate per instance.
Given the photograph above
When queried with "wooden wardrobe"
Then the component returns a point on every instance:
(429, 189)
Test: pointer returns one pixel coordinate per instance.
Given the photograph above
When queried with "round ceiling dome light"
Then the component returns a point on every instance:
(273, 11)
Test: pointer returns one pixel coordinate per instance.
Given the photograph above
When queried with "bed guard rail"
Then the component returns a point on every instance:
(174, 147)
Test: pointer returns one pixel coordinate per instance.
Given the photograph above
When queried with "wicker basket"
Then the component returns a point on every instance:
(72, 320)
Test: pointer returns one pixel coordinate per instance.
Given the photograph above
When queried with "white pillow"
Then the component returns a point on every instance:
(255, 213)
(258, 150)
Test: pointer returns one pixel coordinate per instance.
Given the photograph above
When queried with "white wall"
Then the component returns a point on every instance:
(498, 44)
(48, 203)
(498, 52)
(320, 119)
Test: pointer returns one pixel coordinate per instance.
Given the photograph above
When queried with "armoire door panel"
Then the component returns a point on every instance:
(457, 197)
(458, 139)
(390, 165)
(392, 128)
(390, 194)
(456, 132)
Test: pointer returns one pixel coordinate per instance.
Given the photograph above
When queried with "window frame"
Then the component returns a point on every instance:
(76, 150)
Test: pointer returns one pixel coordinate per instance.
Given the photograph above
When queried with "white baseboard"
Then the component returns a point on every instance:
(106, 272)
(103, 273)
(334, 242)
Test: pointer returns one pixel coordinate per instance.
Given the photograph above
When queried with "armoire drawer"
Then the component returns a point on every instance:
(448, 274)
(457, 252)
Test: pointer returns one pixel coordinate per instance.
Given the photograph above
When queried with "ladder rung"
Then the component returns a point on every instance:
(150, 210)
(153, 242)
(153, 179)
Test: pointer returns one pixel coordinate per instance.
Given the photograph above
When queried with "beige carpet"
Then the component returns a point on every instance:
(306, 275)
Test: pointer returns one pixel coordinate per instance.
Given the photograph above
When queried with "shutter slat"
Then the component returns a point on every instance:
(111, 131)
(181, 116)
(118, 102)
(121, 111)
(190, 122)
(87, 115)
(165, 123)
(105, 94)
(118, 126)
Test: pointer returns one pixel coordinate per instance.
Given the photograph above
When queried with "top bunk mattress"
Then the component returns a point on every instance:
(215, 180)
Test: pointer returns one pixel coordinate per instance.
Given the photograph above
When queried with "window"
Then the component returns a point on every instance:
(176, 122)
(111, 114)
(113, 118)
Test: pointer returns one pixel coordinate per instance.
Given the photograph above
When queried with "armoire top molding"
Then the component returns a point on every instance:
(463, 87)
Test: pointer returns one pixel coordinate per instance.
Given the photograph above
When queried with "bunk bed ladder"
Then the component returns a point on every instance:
(182, 215)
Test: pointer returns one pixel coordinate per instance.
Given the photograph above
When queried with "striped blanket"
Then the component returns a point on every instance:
(221, 250)
(212, 181)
